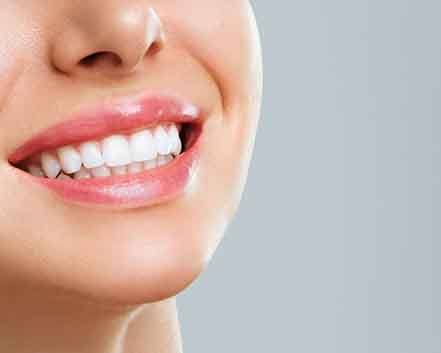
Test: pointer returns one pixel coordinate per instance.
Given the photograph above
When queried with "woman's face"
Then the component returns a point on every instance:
(67, 66)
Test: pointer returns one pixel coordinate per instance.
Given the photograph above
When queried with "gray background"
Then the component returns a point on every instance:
(337, 245)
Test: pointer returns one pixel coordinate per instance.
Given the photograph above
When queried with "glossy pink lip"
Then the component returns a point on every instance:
(128, 191)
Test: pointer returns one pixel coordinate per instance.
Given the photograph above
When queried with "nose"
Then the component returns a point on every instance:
(110, 37)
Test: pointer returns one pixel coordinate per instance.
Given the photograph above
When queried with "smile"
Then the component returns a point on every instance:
(133, 153)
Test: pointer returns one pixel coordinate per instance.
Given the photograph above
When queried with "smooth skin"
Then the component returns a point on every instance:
(77, 280)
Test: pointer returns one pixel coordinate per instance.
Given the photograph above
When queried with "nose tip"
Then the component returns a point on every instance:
(112, 40)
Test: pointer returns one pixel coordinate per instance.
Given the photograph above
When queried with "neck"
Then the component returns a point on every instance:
(32, 322)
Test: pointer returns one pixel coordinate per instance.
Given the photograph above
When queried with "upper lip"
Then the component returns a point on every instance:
(104, 119)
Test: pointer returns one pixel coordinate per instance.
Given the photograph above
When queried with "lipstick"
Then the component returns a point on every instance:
(144, 188)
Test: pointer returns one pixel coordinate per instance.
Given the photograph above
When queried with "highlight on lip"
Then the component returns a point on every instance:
(123, 116)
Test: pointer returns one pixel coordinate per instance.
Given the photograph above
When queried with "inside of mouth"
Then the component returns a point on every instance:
(116, 154)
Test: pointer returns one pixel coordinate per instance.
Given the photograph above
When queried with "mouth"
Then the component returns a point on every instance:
(136, 152)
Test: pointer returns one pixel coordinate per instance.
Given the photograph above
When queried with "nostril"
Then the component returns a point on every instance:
(155, 47)
(102, 57)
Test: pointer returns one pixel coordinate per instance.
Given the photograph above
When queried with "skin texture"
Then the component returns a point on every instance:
(75, 279)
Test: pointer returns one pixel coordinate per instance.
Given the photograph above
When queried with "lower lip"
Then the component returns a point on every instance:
(143, 189)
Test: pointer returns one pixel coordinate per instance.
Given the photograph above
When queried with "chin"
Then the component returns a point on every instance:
(127, 259)
(141, 276)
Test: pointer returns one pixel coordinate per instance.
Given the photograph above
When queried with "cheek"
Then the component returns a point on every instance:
(224, 38)
(10, 63)
(222, 35)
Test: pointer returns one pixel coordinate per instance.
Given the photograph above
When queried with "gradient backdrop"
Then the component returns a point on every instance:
(336, 248)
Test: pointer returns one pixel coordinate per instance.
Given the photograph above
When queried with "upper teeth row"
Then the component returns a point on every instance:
(113, 151)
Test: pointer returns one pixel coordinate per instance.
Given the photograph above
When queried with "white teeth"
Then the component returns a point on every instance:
(142, 146)
(63, 176)
(135, 167)
(114, 155)
(82, 174)
(162, 141)
(175, 140)
(150, 164)
(162, 160)
(178, 148)
(70, 159)
(116, 151)
(91, 155)
(102, 171)
(50, 165)
(35, 170)
(121, 170)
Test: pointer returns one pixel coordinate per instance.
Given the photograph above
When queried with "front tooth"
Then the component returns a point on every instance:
(176, 145)
(162, 141)
(70, 159)
(162, 160)
(83, 173)
(142, 146)
(121, 170)
(135, 167)
(35, 170)
(91, 155)
(50, 165)
(102, 171)
(116, 151)
(177, 151)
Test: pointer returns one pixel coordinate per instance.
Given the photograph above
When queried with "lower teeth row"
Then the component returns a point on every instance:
(105, 171)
